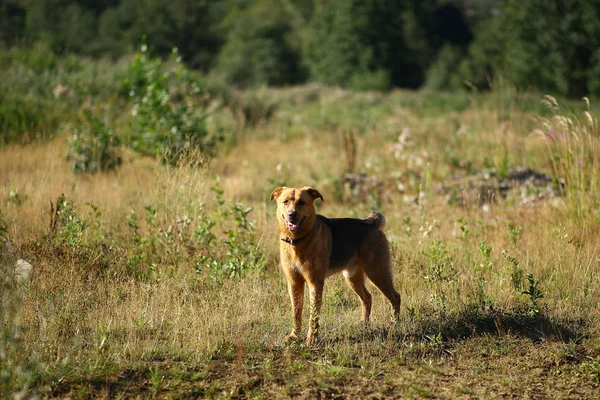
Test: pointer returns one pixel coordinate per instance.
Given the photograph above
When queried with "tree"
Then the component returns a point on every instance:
(12, 21)
(259, 47)
(353, 40)
(551, 43)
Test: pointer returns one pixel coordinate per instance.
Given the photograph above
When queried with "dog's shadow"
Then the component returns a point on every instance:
(440, 329)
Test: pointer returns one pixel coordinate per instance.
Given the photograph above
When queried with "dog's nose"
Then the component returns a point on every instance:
(292, 215)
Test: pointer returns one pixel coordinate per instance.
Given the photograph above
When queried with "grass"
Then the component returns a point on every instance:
(162, 281)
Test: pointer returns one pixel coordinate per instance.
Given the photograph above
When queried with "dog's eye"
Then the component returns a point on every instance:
(286, 202)
(301, 203)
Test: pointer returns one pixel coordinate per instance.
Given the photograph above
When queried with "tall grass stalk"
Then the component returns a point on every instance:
(573, 144)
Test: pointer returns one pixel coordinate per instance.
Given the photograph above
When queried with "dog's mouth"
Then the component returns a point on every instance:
(293, 226)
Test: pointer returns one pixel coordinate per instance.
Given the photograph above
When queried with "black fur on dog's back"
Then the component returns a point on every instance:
(348, 235)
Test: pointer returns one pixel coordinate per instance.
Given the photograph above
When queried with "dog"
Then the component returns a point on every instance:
(313, 247)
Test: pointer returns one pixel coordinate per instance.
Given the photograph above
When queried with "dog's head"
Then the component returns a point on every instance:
(295, 209)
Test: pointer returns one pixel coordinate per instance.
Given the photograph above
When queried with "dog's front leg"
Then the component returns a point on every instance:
(296, 291)
(316, 298)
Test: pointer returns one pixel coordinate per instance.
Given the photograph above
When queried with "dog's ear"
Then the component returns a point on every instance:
(277, 192)
(314, 193)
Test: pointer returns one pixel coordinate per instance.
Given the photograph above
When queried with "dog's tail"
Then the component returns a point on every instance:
(376, 218)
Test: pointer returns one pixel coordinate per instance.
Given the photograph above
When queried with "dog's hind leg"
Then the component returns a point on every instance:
(383, 281)
(357, 282)
(375, 258)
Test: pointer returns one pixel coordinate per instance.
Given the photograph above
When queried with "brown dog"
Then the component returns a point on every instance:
(313, 247)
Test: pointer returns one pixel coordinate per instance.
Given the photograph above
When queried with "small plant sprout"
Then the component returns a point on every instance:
(484, 249)
(516, 273)
(514, 233)
(464, 230)
(534, 294)
(14, 196)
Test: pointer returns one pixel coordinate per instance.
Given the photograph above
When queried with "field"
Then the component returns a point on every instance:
(159, 279)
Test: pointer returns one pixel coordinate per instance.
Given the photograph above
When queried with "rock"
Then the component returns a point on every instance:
(488, 186)
(23, 271)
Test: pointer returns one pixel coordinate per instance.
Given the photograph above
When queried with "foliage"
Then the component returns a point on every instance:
(94, 146)
(377, 44)
(242, 254)
(260, 48)
(370, 44)
(66, 224)
(346, 42)
(24, 118)
(534, 293)
(484, 59)
(167, 120)
(551, 44)
(3, 228)
(443, 74)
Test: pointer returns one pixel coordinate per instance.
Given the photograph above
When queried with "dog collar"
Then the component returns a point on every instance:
(296, 241)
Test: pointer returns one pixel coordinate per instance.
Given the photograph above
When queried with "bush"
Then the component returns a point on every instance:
(94, 146)
(376, 80)
(165, 120)
(25, 117)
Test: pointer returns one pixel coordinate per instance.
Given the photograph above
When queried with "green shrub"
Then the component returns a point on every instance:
(239, 253)
(66, 225)
(3, 228)
(94, 146)
(39, 57)
(25, 118)
(376, 80)
(166, 122)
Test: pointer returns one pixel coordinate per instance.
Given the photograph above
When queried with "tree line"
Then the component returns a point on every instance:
(546, 45)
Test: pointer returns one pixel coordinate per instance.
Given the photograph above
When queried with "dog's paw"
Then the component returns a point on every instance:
(292, 337)
(310, 341)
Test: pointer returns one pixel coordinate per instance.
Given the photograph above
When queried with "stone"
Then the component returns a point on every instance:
(23, 271)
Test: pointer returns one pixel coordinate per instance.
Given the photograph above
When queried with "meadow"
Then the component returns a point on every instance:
(157, 276)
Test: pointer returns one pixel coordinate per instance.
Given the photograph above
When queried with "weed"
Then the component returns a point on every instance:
(156, 379)
(242, 253)
(484, 249)
(438, 269)
(139, 263)
(14, 196)
(464, 231)
(203, 231)
(592, 368)
(66, 225)
(337, 298)
(93, 147)
(516, 273)
(514, 233)
(534, 294)
(407, 225)
(440, 261)
(3, 228)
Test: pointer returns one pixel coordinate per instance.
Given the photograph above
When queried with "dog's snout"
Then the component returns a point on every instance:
(293, 215)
